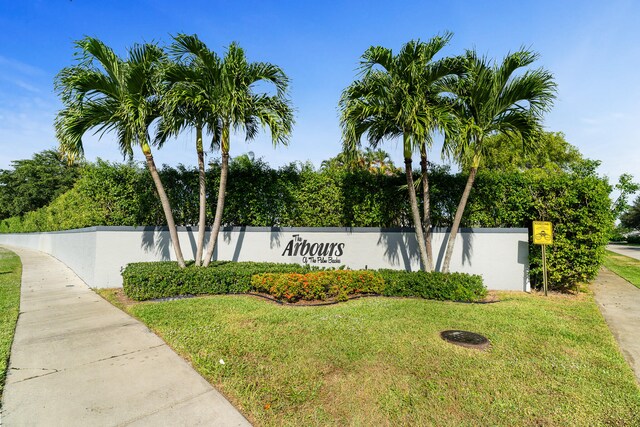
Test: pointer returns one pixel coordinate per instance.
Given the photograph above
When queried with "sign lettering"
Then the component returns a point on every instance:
(312, 252)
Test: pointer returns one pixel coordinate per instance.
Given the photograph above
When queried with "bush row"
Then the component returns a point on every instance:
(318, 285)
(150, 280)
(293, 282)
(433, 285)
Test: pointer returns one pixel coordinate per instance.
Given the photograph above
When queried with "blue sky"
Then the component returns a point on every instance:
(592, 48)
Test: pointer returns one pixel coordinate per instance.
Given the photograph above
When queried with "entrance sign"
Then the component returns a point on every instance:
(314, 252)
(542, 233)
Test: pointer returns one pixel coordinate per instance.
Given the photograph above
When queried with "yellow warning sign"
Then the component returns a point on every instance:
(542, 233)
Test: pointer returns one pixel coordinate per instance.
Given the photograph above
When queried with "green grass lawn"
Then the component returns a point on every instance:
(10, 278)
(381, 362)
(624, 266)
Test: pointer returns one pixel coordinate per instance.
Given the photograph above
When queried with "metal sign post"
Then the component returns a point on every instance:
(543, 235)
(544, 269)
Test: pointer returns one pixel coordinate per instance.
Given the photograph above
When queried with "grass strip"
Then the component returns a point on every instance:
(381, 361)
(10, 279)
(626, 267)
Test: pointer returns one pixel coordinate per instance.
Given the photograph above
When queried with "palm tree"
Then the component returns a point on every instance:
(397, 97)
(492, 99)
(109, 94)
(436, 74)
(239, 107)
(190, 83)
(345, 161)
(378, 162)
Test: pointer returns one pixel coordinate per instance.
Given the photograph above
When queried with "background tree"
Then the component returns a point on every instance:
(379, 161)
(240, 107)
(489, 100)
(344, 161)
(110, 94)
(391, 100)
(373, 161)
(631, 218)
(625, 187)
(33, 183)
(549, 151)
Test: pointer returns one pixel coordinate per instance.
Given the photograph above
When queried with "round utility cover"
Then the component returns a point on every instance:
(465, 339)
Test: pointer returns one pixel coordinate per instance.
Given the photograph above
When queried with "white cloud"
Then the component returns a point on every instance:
(20, 67)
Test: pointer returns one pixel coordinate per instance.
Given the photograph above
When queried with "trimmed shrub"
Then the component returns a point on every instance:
(580, 210)
(433, 285)
(149, 280)
(318, 285)
(293, 282)
(577, 204)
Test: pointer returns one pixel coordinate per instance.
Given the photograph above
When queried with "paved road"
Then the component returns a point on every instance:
(630, 251)
(619, 302)
(78, 361)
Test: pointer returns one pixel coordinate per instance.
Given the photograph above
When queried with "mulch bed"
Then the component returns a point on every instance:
(492, 297)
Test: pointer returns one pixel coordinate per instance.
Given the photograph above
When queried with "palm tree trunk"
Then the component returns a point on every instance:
(202, 219)
(457, 218)
(164, 200)
(426, 206)
(417, 223)
(219, 207)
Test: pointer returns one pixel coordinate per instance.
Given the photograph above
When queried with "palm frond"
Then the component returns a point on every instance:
(105, 93)
(399, 95)
(491, 99)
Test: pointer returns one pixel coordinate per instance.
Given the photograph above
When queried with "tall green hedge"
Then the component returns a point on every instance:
(578, 207)
(298, 195)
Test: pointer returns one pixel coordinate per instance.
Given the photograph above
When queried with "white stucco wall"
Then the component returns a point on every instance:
(97, 254)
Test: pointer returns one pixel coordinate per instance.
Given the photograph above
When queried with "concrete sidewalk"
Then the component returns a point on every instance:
(630, 251)
(619, 302)
(76, 361)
